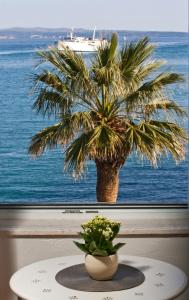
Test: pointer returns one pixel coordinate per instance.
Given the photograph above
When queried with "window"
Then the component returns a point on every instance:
(43, 181)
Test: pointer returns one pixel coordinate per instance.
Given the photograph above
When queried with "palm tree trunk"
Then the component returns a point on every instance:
(107, 182)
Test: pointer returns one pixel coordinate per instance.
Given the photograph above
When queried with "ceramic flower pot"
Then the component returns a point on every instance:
(101, 267)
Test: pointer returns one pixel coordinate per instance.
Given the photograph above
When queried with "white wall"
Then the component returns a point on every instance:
(18, 252)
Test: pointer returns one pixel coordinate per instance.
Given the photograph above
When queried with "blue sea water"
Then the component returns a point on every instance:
(24, 180)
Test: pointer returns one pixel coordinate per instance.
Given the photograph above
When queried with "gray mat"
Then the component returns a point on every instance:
(77, 278)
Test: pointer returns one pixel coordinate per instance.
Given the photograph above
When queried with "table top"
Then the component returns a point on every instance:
(37, 281)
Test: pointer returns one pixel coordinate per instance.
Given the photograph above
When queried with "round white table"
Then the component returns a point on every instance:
(37, 281)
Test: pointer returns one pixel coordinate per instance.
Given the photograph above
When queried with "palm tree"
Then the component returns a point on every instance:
(107, 109)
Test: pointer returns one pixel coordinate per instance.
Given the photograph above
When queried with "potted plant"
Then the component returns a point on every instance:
(101, 260)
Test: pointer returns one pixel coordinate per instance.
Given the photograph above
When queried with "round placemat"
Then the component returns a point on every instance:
(77, 278)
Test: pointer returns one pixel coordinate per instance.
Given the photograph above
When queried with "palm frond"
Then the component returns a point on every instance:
(168, 137)
(49, 102)
(106, 53)
(105, 70)
(76, 155)
(133, 55)
(153, 139)
(151, 90)
(113, 47)
(164, 105)
(145, 69)
(61, 133)
(49, 138)
(48, 79)
(141, 142)
(81, 120)
(52, 58)
(167, 78)
(75, 74)
(106, 144)
(174, 128)
(99, 143)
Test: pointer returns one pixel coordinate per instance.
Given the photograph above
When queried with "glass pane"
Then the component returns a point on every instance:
(24, 180)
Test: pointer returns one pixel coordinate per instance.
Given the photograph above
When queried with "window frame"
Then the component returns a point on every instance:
(78, 207)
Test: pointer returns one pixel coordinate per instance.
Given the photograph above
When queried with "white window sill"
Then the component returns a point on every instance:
(53, 223)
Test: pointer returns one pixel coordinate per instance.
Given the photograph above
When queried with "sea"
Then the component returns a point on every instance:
(24, 180)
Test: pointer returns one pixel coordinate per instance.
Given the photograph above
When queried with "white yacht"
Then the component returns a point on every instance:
(81, 44)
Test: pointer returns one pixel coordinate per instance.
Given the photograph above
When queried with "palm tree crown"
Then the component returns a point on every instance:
(107, 109)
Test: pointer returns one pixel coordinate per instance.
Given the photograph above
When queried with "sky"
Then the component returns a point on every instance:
(159, 15)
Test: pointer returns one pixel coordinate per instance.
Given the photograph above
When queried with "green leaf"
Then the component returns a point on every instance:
(49, 137)
(85, 236)
(100, 252)
(113, 46)
(92, 247)
(81, 246)
(118, 246)
(108, 245)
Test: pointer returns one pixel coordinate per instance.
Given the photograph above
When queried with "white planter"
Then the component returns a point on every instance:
(101, 267)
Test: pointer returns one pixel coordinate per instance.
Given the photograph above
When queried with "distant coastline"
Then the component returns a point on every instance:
(65, 29)
(45, 33)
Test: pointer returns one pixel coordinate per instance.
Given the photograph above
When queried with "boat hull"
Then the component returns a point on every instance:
(80, 46)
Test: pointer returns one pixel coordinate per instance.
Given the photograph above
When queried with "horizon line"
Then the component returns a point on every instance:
(76, 28)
